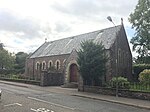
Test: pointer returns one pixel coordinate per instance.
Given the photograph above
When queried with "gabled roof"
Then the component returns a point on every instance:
(65, 46)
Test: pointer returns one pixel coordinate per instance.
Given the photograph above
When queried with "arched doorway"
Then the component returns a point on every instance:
(73, 72)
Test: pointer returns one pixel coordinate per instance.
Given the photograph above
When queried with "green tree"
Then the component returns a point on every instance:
(20, 60)
(141, 60)
(140, 20)
(92, 61)
(6, 59)
(1, 45)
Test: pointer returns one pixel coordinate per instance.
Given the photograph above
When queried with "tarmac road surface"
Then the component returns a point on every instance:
(21, 99)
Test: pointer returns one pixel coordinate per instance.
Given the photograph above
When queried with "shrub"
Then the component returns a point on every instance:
(137, 68)
(123, 83)
(15, 77)
(11, 71)
(144, 76)
(22, 76)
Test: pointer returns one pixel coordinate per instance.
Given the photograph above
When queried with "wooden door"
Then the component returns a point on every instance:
(73, 73)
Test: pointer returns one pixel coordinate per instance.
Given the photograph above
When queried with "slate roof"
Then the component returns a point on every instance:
(65, 46)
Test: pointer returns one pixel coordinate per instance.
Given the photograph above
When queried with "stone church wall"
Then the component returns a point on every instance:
(51, 79)
(31, 69)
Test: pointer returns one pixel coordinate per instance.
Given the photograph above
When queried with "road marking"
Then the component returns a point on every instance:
(41, 110)
(13, 104)
(33, 109)
(45, 95)
(55, 104)
(19, 104)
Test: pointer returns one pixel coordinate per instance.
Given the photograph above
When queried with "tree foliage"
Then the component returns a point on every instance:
(92, 61)
(144, 76)
(140, 20)
(141, 60)
(6, 59)
(1, 45)
(20, 60)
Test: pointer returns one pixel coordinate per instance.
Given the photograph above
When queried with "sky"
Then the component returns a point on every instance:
(24, 24)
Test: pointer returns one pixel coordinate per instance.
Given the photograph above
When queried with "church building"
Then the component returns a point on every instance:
(62, 55)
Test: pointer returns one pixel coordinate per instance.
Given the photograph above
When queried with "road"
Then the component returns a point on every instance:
(21, 99)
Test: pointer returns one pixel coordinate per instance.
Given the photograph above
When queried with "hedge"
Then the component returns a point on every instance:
(138, 68)
(34, 82)
(12, 71)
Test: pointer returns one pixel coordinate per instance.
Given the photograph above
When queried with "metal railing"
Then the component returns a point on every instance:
(140, 86)
(135, 86)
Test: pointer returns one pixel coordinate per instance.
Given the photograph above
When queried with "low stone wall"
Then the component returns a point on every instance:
(51, 79)
(111, 91)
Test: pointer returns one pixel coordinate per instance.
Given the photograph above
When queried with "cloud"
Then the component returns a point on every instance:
(15, 44)
(77, 8)
(95, 9)
(25, 24)
(62, 27)
(18, 25)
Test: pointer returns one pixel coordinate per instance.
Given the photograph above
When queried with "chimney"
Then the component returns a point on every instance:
(45, 39)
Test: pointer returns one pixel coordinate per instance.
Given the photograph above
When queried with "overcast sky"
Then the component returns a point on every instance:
(24, 24)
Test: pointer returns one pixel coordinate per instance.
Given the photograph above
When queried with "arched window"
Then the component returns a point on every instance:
(50, 64)
(119, 56)
(127, 57)
(37, 65)
(123, 57)
(57, 64)
(43, 65)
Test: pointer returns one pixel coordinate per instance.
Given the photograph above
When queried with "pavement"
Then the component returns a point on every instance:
(145, 104)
